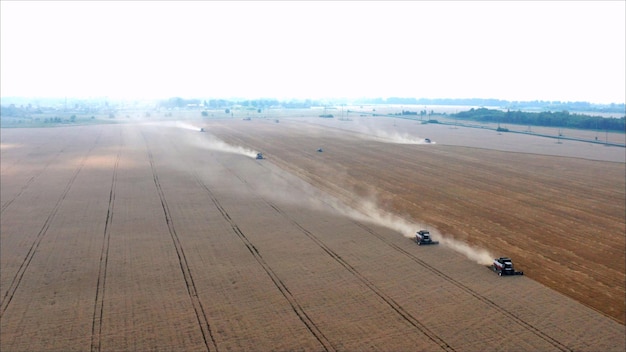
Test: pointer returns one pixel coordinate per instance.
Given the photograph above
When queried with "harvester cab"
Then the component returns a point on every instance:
(422, 237)
(504, 266)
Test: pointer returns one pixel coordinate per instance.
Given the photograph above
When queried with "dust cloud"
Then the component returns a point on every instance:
(187, 126)
(174, 124)
(370, 212)
(397, 138)
(210, 142)
(365, 210)
(390, 135)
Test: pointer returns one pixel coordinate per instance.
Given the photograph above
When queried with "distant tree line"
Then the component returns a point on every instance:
(21, 107)
(533, 104)
(546, 118)
(13, 111)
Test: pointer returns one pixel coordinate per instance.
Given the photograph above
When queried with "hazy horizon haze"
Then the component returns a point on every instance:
(509, 50)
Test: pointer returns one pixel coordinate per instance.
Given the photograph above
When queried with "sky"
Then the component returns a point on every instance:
(509, 50)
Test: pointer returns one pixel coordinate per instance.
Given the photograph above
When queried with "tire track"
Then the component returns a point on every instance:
(19, 275)
(30, 180)
(554, 342)
(280, 285)
(395, 306)
(537, 332)
(207, 335)
(98, 309)
(387, 299)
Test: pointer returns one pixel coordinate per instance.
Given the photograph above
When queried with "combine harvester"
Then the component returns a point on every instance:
(504, 266)
(259, 156)
(422, 237)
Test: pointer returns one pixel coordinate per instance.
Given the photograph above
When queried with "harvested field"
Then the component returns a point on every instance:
(148, 237)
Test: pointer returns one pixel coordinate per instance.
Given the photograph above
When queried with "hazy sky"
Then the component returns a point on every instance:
(513, 50)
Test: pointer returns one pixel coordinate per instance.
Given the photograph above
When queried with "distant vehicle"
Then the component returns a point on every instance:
(422, 237)
(247, 119)
(427, 140)
(319, 150)
(259, 156)
(277, 121)
(504, 266)
(202, 130)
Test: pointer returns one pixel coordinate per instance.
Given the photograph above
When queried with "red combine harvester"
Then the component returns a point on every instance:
(422, 237)
(504, 266)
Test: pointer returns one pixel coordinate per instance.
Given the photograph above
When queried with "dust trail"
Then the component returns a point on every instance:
(376, 133)
(176, 124)
(187, 126)
(370, 212)
(398, 138)
(479, 255)
(210, 142)
(205, 140)
(367, 211)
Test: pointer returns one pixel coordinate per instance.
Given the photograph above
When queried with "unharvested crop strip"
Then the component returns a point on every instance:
(19, 275)
(207, 335)
(98, 309)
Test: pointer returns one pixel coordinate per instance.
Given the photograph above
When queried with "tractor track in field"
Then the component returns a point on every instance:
(19, 275)
(280, 285)
(98, 309)
(531, 328)
(205, 328)
(513, 317)
(30, 180)
(557, 344)
(395, 306)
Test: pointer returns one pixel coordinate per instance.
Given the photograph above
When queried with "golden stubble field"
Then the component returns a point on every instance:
(148, 237)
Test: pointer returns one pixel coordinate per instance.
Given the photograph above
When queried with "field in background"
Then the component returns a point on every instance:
(147, 236)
